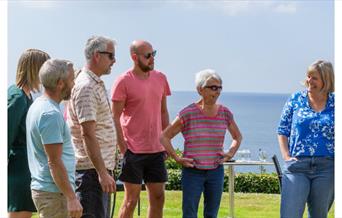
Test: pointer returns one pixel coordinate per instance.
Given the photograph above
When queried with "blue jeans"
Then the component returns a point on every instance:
(194, 182)
(94, 201)
(309, 180)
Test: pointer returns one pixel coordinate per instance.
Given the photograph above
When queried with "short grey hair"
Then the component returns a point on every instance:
(52, 71)
(95, 44)
(203, 76)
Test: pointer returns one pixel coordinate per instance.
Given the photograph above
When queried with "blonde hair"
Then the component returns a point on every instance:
(326, 71)
(28, 68)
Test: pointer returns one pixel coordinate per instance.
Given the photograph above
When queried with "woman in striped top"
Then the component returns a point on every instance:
(203, 125)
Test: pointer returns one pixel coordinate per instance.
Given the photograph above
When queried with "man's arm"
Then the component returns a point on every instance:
(164, 113)
(117, 108)
(88, 130)
(60, 177)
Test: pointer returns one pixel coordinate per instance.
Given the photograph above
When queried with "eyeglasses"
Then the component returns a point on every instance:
(110, 54)
(214, 87)
(149, 55)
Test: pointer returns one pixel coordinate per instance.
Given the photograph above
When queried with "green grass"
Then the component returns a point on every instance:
(247, 205)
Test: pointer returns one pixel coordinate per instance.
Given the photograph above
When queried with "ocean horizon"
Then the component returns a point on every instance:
(256, 114)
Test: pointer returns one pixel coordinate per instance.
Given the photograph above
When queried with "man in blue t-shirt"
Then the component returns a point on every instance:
(50, 153)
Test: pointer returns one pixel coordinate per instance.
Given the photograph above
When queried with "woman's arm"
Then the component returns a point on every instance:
(165, 139)
(284, 148)
(237, 138)
(284, 128)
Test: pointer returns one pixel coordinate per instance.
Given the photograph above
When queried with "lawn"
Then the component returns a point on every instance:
(247, 205)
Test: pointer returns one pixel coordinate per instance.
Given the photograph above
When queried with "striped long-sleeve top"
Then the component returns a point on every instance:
(204, 135)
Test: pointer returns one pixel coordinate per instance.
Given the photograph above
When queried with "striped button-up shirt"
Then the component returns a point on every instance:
(89, 102)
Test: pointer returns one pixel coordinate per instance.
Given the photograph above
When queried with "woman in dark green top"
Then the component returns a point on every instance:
(20, 204)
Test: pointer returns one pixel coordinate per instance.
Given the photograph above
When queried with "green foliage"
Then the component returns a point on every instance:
(256, 183)
(244, 182)
(174, 180)
(171, 163)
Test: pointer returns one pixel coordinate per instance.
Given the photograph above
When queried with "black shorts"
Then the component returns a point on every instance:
(148, 167)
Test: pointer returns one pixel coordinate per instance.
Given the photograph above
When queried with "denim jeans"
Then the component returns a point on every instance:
(309, 180)
(95, 203)
(194, 183)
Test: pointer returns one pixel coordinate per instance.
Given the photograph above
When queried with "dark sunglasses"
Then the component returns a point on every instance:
(214, 87)
(110, 54)
(149, 55)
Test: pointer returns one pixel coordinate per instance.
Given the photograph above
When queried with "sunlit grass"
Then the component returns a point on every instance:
(247, 205)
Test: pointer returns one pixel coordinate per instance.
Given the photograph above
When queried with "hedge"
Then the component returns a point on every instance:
(244, 182)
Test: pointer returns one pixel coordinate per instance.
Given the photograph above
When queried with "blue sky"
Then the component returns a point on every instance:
(263, 46)
(256, 46)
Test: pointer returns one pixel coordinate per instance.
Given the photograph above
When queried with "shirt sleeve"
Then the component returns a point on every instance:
(228, 116)
(85, 104)
(167, 90)
(184, 117)
(181, 118)
(51, 128)
(285, 123)
(119, 92)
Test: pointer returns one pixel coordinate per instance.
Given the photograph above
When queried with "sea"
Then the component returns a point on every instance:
(257, 116)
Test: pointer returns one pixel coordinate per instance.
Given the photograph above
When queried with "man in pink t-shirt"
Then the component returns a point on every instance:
(140, 115)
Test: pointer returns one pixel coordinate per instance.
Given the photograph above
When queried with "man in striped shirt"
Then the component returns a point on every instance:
(92, 129)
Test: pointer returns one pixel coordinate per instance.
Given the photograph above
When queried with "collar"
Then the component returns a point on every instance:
(92, 75)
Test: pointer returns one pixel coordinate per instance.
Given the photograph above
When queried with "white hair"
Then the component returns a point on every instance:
(203, 76)
(96, 43)
(53, 70)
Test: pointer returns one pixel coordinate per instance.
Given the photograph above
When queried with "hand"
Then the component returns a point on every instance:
(290, 158)
(186, 162)
(107, 182)
(123, 151)
(74, 208)
(165, 155)
(122, 147)
(226, 157)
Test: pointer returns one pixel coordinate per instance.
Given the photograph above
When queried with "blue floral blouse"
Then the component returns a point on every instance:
(310, 133)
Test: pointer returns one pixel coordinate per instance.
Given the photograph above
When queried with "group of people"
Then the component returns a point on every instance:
(62, 166)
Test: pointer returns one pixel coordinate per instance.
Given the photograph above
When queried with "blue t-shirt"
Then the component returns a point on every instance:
(45, 125)
(310, 133)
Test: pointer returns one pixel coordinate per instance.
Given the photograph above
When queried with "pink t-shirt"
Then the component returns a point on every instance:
(141, 116)
(203, 135)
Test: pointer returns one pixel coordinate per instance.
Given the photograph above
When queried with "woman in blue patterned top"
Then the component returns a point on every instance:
(306, 138)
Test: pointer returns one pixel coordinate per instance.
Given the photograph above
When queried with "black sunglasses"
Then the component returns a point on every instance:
(214, 87)
(110, 54)
(151, 54)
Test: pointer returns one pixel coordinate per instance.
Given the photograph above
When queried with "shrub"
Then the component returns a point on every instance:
(174, 180)
(171, 163)
(256, 183)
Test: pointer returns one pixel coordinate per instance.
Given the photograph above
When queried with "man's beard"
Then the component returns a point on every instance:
(66, 93)
(107, 72)
(145, 68)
